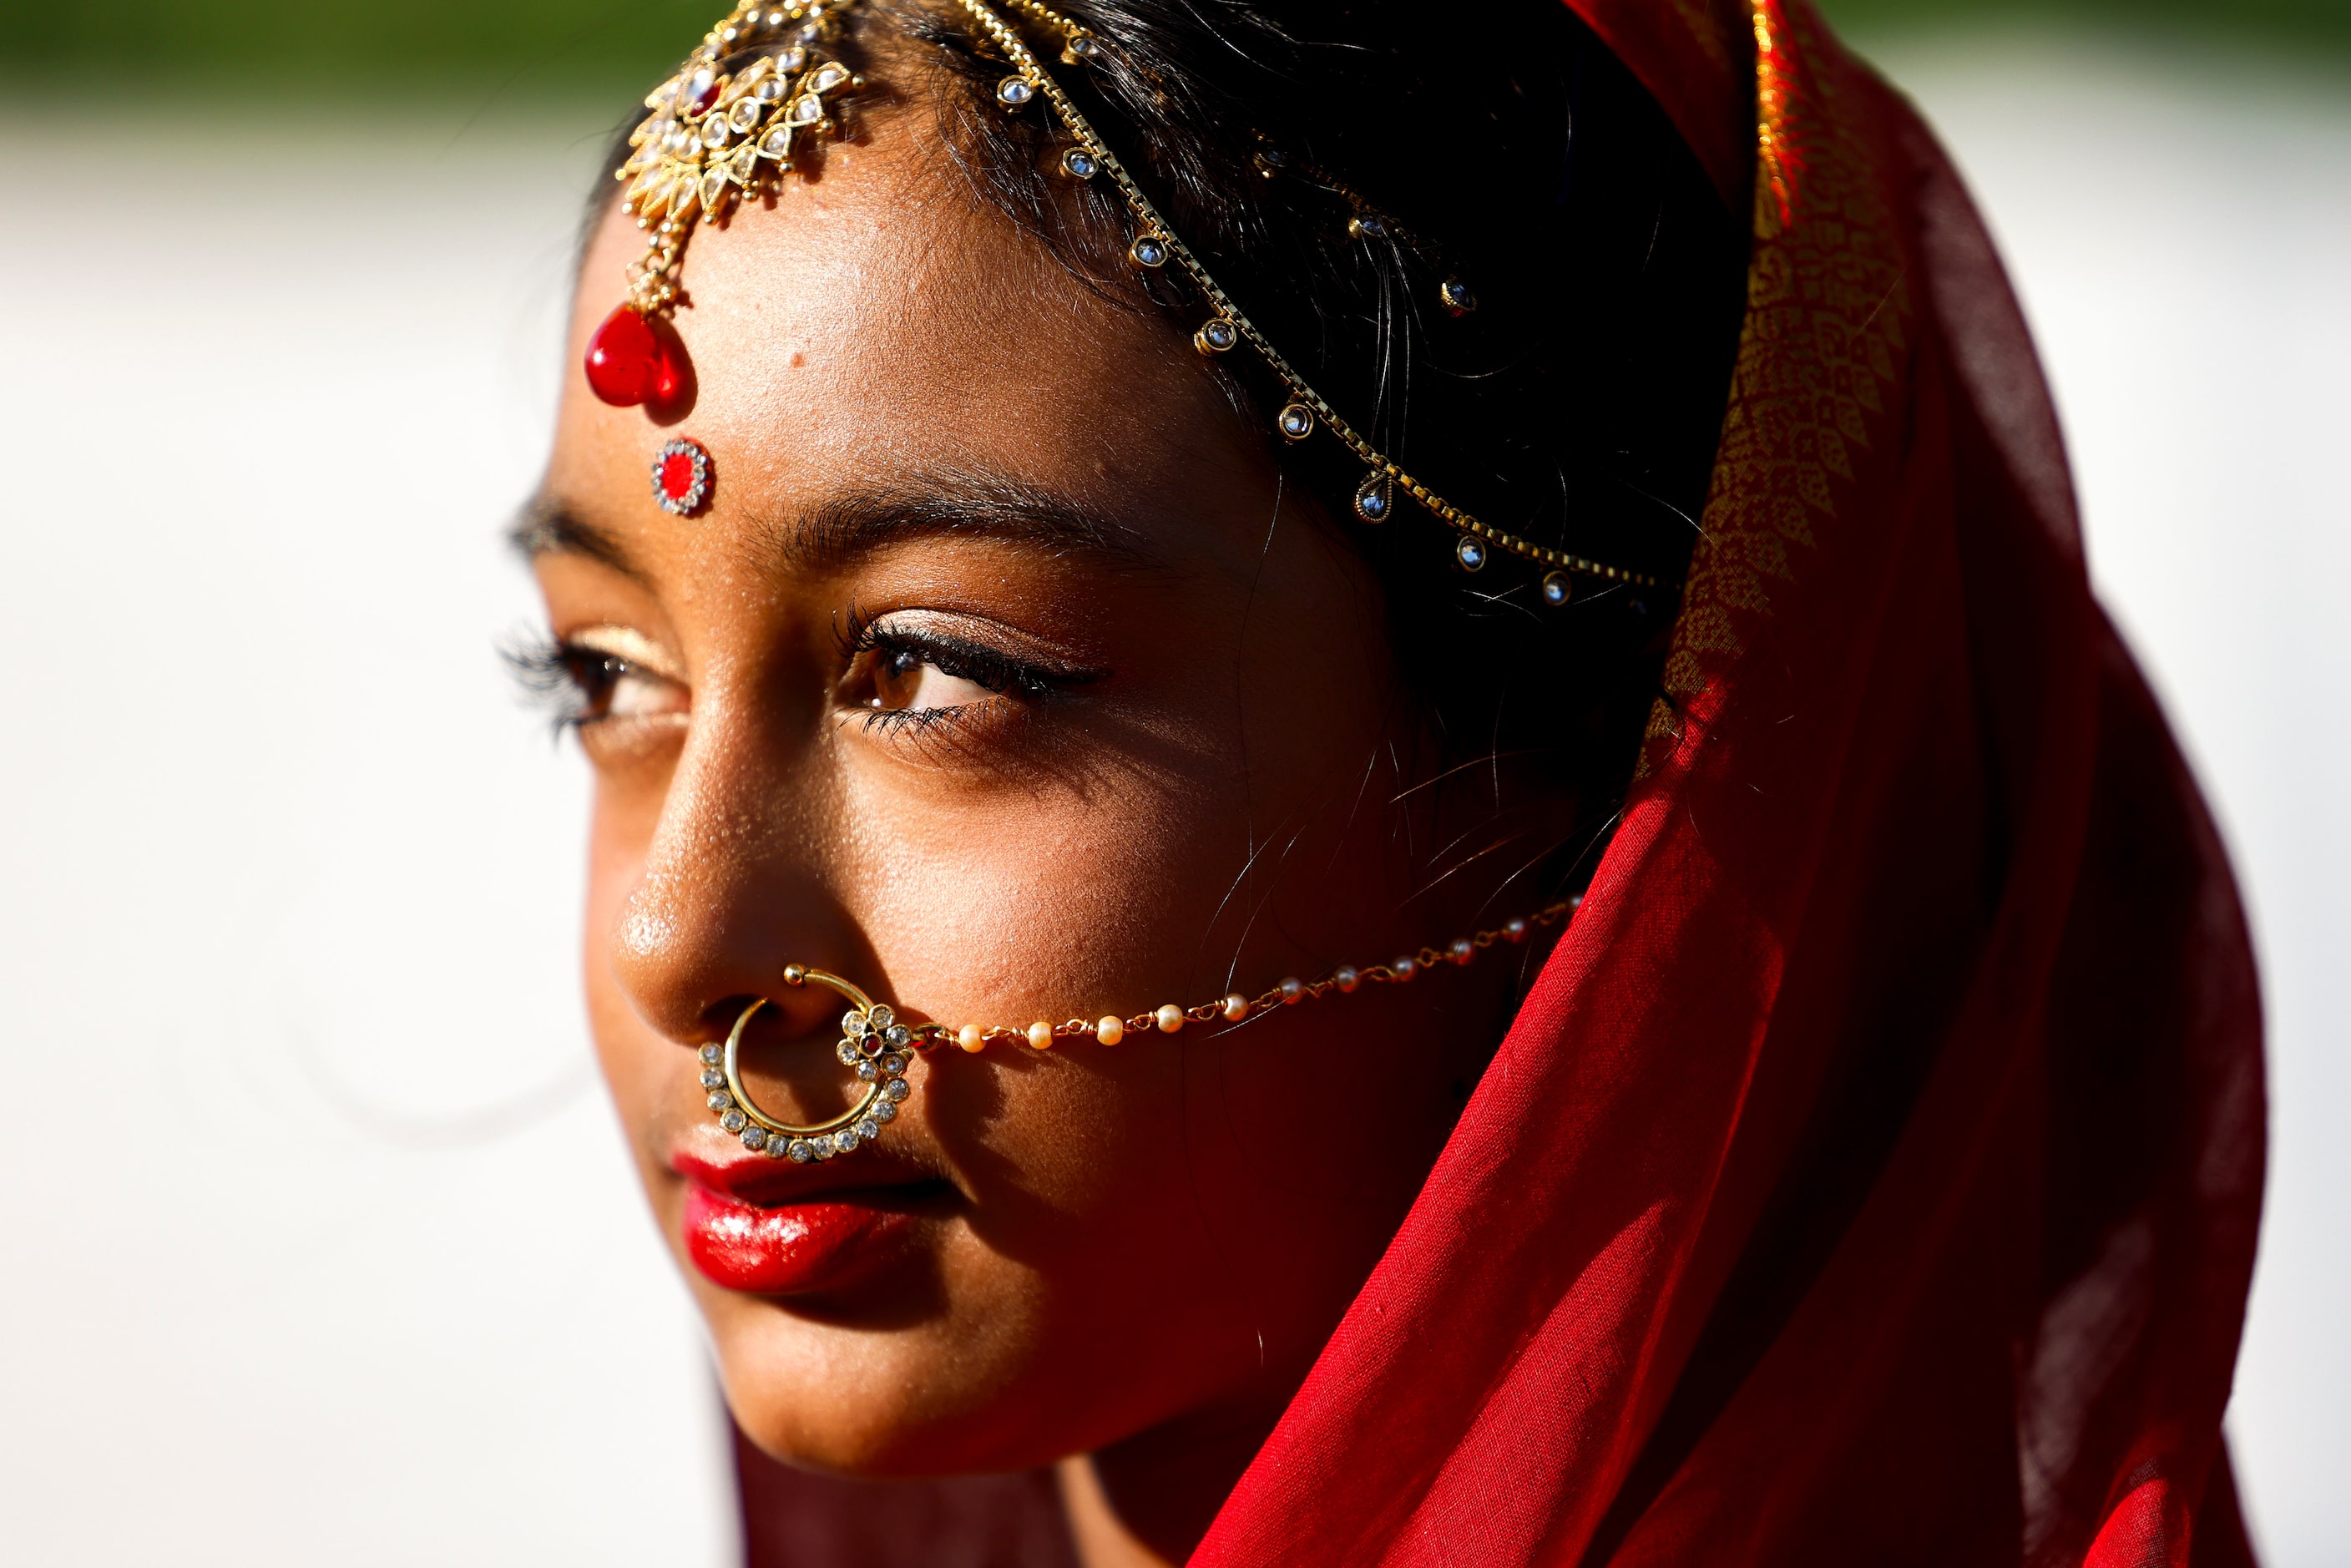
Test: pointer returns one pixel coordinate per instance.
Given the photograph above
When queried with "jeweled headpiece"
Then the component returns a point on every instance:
(710, 138)
(714, 136)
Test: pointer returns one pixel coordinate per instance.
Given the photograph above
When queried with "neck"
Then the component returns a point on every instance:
(1145, 1501)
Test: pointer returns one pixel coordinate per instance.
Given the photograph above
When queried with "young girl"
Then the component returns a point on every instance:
(1352, 770)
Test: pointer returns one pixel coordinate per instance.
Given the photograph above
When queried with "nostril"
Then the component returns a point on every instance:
(690, 954)
(719, 1018)
(790, 1062)
(784, 1012)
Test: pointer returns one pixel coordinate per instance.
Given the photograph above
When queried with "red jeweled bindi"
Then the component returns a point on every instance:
(680, 478)
(630, 361)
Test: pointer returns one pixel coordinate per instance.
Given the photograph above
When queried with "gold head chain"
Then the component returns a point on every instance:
(713, 137)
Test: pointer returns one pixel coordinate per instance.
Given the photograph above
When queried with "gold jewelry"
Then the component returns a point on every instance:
(873, 1042)
(714, 135)
(710, 132)
(1367, 221)
(1157, 243)
(879, 1048)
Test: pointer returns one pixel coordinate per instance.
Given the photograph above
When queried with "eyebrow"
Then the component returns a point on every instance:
(840, 530)
(548, 526)
(955, 504)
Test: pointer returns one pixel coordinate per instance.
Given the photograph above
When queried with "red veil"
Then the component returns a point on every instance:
(1872, 1176)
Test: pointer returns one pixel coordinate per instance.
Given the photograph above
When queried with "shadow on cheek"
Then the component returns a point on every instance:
(999, 1121)
(1360, 1144)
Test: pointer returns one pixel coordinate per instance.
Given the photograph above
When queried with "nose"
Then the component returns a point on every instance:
(729, 893)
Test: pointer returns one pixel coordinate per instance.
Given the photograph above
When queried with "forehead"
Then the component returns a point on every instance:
(877, 325)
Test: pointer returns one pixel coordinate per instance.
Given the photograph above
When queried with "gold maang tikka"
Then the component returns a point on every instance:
(712, 138)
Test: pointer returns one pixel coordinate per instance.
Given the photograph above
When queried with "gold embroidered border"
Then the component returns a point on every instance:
(1825, 338)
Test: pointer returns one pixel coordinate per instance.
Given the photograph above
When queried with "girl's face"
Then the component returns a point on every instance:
(1003, 676)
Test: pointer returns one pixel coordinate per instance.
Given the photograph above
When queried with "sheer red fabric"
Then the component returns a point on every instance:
(1872, 1176)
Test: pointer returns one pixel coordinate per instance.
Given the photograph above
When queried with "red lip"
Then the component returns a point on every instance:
(793, 1243)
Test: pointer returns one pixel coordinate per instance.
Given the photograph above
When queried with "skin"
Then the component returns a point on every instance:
(1125, 1258)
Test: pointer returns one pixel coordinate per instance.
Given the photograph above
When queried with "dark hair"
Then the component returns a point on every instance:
(1579, 403)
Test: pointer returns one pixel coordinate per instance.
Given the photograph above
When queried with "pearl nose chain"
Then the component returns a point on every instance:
(878, 1048)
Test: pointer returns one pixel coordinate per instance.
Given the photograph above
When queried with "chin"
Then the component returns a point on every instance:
(871, 1376)
(868, 1405)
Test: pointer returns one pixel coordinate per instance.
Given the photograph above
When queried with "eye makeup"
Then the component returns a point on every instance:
(916, 670)
(596, 674)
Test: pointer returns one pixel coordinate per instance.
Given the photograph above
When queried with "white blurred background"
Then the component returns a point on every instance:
(320, 1241)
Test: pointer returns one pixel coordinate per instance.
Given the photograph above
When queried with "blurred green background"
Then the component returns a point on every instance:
(573, 46)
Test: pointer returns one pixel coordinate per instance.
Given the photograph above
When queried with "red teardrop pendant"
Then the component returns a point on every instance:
(630, 361)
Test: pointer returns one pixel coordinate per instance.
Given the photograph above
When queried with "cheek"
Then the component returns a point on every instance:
(1022, 914)
(638, 1067)
(1177, 1221)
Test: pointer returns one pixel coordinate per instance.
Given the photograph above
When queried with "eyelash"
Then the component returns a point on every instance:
(988, 668)
(563, 680)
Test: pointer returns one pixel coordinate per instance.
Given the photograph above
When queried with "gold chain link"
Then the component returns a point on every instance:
(1149, 223)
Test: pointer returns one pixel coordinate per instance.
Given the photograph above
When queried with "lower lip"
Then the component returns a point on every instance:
(787, 1250)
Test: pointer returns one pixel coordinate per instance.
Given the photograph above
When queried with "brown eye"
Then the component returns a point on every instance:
(628, 692)
(918, 670)
(599, 673)
(907, 680)
(898, 676)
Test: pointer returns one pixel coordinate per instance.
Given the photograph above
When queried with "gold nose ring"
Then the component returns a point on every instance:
(873, 1044)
